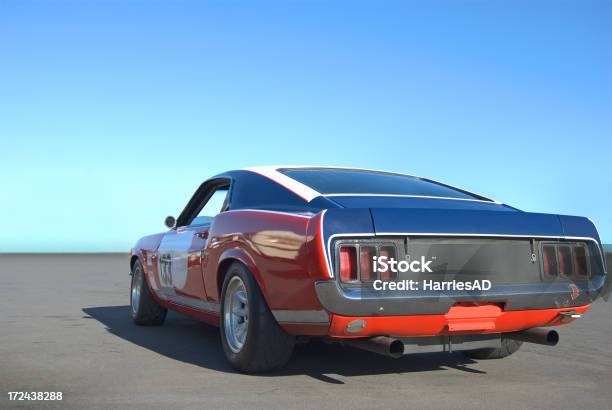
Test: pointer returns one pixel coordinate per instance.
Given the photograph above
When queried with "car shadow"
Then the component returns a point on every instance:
(190, 341)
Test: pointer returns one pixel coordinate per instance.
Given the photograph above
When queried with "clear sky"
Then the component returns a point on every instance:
(112, 112)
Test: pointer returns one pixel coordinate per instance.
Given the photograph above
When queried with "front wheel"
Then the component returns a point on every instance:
(252, 339)
(145, 310)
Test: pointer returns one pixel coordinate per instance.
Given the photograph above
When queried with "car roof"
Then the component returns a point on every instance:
(308, 193)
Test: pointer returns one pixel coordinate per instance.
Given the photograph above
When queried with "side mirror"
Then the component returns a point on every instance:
(170, 222)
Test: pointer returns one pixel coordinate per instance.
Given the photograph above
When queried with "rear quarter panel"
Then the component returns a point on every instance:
(276, 247)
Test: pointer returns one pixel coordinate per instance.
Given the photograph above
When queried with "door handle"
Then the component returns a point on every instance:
(203, 235)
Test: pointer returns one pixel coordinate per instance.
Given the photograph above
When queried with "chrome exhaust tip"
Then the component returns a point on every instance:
(379, 344)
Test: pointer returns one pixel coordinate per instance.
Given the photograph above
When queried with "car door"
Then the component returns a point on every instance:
(181, 252)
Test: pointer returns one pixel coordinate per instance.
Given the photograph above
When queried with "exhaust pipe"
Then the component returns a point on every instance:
(535, 335)
(379, 344)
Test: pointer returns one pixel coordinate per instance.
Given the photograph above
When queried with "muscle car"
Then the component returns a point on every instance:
(381, 261)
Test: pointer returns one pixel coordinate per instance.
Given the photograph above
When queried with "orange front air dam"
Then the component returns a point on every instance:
(459, 319)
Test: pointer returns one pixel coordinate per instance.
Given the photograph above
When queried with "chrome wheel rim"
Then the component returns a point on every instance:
(136, 286)
(236, 314)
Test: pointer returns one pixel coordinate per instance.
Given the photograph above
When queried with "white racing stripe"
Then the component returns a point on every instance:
(309, 194)
(305, 192)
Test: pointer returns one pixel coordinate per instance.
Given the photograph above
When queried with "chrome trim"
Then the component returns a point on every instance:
(137, 284)
(417, 196)
(330, 272)
(572, 314)
(301, 316)
(236, 314)
(194, 303)
(299, 215)
(327, 249)
(605, 262)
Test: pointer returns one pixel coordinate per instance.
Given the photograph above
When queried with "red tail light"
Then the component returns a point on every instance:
(568, 260)
(549, 260)
(564, 258)
(366, 263)
(580, 261)
(389, 252)
(348, 263)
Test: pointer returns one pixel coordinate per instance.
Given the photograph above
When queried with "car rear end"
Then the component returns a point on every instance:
(479, 272)
(487, 274)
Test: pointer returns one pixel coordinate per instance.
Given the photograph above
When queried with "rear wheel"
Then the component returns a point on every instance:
(252, 339)
(145, 310)
(508, 347)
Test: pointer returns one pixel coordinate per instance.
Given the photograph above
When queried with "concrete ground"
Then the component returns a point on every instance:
(65, 326)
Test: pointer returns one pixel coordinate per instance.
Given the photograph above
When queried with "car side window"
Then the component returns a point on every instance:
(215, 204)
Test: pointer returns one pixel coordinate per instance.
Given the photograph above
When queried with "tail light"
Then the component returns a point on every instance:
(549, 260)
(569, 260)
(564, 258)
(366, 263)
(356, 262)
(580, 261)
(389, 252)
(348, 263)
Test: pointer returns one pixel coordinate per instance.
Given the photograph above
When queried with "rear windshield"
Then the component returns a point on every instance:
(350, 181)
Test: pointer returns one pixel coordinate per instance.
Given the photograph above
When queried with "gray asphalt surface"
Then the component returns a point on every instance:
(65, 326)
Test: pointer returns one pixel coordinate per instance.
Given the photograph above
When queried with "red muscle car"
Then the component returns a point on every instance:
(381, 261)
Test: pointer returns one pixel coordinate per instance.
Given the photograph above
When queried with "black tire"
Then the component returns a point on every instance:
(266, 346)
(147, 312)
(508, 347)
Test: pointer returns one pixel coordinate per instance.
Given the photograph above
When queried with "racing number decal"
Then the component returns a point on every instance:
(165, 270)
(172, 261)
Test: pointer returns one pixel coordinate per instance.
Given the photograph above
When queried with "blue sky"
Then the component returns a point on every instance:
(111, 113)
